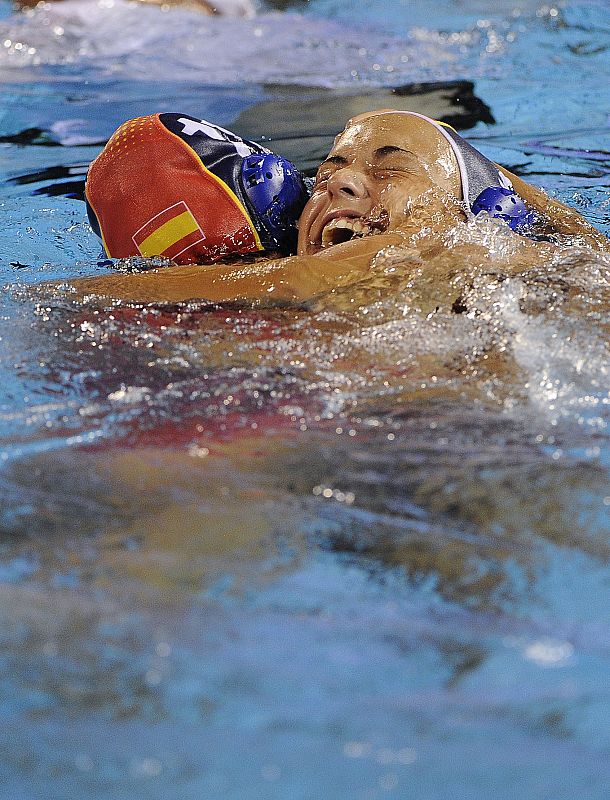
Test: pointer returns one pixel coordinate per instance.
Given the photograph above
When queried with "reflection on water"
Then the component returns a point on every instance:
(353, 551)
(349, 533)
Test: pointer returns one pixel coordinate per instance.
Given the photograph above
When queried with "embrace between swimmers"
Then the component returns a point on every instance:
(392, 180)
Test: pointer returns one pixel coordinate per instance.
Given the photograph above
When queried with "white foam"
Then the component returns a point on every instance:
(119, 38)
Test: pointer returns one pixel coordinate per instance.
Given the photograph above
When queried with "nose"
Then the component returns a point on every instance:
(348, 182)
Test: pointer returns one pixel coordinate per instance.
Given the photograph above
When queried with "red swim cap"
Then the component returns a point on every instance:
(167, 185)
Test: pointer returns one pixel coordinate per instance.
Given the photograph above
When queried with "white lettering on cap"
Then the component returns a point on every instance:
(192, 126)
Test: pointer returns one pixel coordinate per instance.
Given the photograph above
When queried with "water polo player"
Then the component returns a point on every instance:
(391, 178)
(180, 187)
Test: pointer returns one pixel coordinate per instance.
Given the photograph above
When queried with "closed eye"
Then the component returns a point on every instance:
(394, 168)
(395, 159)
(326, 168)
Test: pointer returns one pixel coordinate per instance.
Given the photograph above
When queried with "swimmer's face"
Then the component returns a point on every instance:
(384, 171)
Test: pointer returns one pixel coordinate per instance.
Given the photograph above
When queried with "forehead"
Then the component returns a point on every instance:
(374, 131)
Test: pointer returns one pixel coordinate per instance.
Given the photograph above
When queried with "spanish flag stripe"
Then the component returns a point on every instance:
(177, 248)
(167, 234)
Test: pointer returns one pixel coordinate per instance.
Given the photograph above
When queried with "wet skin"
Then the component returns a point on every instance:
(382, 170)
(391, 176)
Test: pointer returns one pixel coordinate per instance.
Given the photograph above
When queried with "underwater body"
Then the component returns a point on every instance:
(356, 551)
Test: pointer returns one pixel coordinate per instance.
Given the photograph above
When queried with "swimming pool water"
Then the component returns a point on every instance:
(343, 554)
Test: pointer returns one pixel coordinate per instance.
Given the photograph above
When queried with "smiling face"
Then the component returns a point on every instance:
(384, 171)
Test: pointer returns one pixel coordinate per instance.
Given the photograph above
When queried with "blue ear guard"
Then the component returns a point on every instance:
(276, 194)
(502, 203)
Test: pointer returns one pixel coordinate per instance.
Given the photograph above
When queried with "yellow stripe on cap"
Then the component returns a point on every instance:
(225, 187)
(445, 125)
(168, 234)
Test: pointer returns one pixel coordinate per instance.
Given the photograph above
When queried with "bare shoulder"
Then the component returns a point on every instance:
(560, 216)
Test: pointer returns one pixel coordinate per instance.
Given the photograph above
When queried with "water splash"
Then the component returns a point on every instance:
(125, 40)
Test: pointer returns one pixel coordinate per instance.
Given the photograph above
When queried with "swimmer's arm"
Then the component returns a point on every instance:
(292, 280)
(563, 218)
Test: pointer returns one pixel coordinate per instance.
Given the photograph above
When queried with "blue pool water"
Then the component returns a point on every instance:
(302, 555)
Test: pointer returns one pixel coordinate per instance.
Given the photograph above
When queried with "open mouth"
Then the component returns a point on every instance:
(342, 229)
(345, 228)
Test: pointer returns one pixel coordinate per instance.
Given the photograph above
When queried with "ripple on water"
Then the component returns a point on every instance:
(237, 545)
